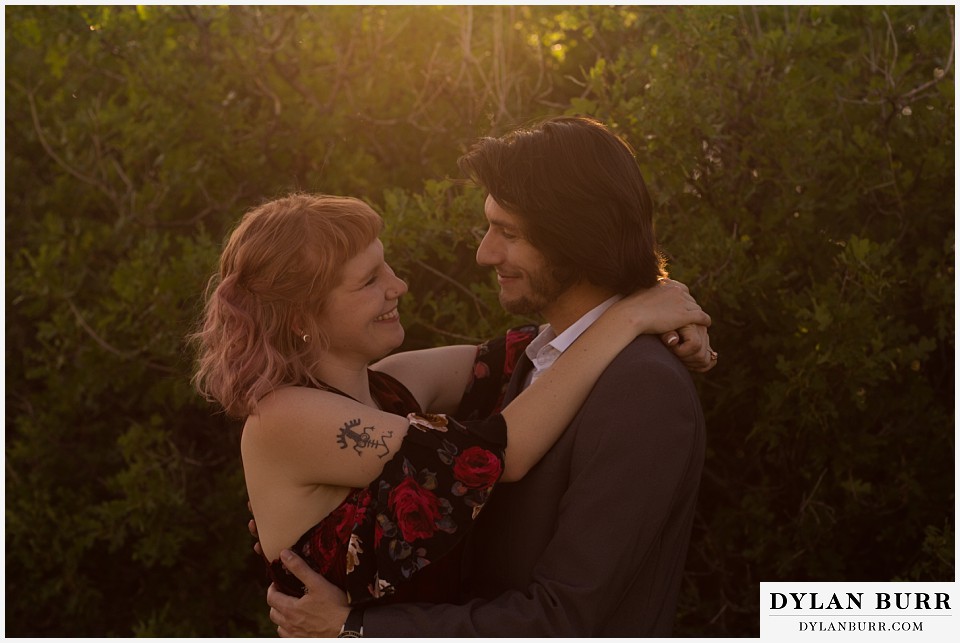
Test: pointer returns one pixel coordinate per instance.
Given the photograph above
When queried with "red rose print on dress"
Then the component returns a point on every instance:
(477, 467)
(517, 341)
(417, 510)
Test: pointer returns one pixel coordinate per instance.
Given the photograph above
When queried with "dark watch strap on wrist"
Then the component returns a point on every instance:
(353, 626)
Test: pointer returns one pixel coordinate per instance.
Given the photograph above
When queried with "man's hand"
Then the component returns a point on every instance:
(252, 526)
(692, 345)
(322, 610)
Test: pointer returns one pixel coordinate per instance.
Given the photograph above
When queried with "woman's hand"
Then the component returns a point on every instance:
(662, 308)
(691, 345)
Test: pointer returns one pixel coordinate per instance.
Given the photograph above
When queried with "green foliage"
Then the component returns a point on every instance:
(800, 158)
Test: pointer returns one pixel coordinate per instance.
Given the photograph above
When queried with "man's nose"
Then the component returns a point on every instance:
(487, 252)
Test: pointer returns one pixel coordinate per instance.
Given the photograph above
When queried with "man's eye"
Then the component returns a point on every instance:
(508, 235)
(371, 281)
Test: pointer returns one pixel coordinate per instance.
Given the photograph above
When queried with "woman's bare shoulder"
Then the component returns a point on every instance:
(287, 407)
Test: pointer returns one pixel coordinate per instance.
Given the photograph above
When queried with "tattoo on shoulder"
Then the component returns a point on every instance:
(362, 439)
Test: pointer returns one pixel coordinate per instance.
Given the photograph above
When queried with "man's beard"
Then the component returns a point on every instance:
(546, 286)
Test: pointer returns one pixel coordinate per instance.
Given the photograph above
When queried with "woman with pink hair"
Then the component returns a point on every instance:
(342, 463)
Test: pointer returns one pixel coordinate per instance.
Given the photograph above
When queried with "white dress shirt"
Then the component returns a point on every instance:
(546, 347)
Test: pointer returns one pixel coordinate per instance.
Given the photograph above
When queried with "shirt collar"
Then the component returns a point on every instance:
(548, 346)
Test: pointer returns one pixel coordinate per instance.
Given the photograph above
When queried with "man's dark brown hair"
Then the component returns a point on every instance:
(579, 192)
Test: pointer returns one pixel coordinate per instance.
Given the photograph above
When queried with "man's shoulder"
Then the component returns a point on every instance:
(646, 358)
(646, 393)
(649, 349)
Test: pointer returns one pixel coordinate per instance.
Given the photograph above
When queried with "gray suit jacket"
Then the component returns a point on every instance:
(592, 542)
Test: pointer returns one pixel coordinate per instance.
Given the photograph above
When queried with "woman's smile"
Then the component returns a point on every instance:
(393, 315)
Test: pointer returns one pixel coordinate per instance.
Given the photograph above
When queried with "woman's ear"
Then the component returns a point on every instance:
(298, 328)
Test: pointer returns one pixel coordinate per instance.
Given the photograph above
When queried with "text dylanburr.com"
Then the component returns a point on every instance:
(859, 611)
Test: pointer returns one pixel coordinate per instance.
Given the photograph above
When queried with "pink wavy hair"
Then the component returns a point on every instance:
(276, 270)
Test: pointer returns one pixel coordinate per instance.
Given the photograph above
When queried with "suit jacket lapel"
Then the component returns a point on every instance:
(517, 379)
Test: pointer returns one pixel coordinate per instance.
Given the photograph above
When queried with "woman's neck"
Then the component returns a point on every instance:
(352, 380)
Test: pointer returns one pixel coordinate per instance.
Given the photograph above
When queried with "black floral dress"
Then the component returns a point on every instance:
(494, 365)
(399, 538)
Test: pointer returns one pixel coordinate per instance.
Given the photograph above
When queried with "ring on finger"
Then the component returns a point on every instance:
(713, 355)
